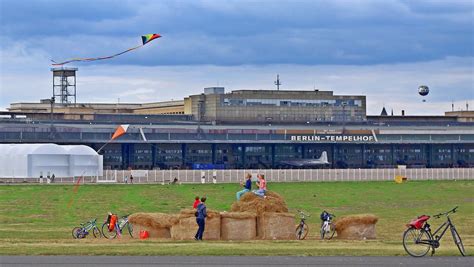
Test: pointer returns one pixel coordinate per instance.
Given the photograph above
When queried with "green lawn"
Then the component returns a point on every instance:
(36, 219)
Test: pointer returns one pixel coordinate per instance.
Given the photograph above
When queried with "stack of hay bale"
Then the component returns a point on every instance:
(272, 218)
(250, 218)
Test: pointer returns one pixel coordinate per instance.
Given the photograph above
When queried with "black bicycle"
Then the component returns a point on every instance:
(418, 239)
(302, 229)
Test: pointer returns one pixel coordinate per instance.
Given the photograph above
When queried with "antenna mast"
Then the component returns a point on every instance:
(277, 82)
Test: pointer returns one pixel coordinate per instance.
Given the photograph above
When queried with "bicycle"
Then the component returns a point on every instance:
(122, 224)
(418, 239)
(328, 229)
(85, 229)
(302, 229)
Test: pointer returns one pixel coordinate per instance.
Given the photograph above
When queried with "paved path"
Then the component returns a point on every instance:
(230, 261)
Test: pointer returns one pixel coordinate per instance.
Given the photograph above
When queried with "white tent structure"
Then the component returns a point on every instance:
(35, 160)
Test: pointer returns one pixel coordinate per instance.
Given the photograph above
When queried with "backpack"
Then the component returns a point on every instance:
(324, 216)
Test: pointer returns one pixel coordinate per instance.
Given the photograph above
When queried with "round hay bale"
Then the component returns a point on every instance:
(356, 227)
(238, 225)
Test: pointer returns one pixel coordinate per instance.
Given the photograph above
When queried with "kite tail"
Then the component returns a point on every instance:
(93, 58)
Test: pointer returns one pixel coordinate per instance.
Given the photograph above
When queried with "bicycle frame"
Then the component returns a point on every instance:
(435, 242)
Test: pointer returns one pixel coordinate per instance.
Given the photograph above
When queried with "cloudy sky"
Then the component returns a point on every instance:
(382, 49)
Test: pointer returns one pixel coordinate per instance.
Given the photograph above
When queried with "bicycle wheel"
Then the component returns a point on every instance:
(332, 231)
(411, 242)
(77, 232)
(108, 234)
(302, 231)
(458, 241)
(130, 229)
(96, 232)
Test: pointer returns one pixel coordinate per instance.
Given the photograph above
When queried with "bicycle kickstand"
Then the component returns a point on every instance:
(432, 251)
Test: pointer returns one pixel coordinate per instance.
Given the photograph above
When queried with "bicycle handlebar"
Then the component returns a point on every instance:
(302, 213)
(446, 213)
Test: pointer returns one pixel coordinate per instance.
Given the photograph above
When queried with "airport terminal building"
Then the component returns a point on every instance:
(246, 129)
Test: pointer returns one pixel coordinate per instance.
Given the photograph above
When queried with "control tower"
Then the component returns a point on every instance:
(64, 85)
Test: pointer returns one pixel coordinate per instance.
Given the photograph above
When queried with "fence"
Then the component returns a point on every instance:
(287, 175)
(271, 175)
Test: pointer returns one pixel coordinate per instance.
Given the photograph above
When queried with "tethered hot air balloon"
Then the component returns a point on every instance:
(423, 90)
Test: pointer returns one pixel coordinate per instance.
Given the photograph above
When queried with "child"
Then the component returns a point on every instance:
(247, 186)
(196, 202)
(262, 186)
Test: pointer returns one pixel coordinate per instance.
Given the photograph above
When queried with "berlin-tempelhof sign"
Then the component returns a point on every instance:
(334, 138)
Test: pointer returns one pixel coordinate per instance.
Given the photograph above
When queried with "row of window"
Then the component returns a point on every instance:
(293, 102)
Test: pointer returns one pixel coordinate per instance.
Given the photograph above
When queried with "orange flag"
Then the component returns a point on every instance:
(121, 130)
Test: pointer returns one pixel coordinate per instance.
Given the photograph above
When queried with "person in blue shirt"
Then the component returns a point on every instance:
(247, 186)
(201, 215)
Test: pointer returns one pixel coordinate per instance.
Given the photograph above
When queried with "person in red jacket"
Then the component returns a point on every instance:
(196, 202)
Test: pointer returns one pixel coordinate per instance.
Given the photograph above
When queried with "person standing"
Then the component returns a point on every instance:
(247, 186)
(131, 179)
(262, 186)
(201, 218)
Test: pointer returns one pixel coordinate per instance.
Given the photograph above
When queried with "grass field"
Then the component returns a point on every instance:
(37, 220)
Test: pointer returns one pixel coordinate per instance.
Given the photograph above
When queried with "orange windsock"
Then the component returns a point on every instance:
(121, 130)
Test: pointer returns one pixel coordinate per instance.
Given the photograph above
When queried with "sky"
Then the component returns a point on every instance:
(381, 49)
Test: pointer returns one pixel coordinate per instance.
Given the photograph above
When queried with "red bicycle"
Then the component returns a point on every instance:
(418, 239)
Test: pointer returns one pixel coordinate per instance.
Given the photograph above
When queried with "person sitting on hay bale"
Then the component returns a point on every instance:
(262, 186)
(201, 215)
(247, 186)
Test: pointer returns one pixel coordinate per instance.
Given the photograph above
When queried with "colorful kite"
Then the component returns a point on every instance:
(145, 39)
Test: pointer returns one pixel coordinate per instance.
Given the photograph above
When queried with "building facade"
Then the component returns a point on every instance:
(248, 129)
(270, 106)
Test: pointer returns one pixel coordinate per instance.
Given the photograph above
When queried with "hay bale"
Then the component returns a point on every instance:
(276, 225)
(190, 212)
(238, 225)
(356, 227)
(153, 220)
(153, 232)
(186, 226)
(250, 202)
(157, 224)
